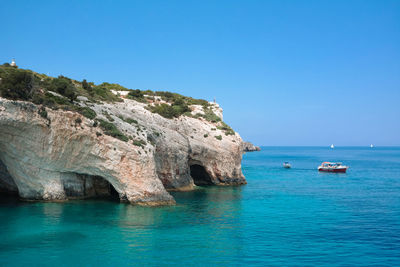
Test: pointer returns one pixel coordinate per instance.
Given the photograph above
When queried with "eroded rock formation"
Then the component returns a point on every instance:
(64, 155)
(249, 147)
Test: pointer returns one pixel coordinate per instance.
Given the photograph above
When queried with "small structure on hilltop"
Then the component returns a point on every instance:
(13, 64)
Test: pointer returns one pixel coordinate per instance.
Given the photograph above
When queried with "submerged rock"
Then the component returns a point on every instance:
(53, 155)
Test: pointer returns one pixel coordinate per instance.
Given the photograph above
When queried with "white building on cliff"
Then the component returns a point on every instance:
(13, 64)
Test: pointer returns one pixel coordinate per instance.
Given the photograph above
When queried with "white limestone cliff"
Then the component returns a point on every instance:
(65, 156)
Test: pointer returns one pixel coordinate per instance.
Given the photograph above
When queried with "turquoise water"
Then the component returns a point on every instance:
(281, 217)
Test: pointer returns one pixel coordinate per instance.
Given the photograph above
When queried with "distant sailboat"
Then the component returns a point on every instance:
(371, 145)
(332, 146)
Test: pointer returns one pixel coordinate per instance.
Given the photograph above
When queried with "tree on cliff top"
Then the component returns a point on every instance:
(87, 86)
(64, 87)
(17, 85)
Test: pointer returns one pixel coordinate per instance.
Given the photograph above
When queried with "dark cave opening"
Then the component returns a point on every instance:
(80, 186)
(114, 195)
(200, 175)
(8, 188)
(7, 184)
(76, 186)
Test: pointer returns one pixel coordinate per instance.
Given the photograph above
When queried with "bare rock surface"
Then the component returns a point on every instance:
(64, 155)
(249, 147)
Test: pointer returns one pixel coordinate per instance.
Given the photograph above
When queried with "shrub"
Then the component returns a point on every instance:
(108, 116)
(181, 101)
(170, 111)
(192, 101)
(111, 130)
(136, 95)
(50, 99)
(140, 143)
(209, 115)
(104, 94)
(164, 110)
(151, 140)
(206, 135)
(128, 120)
(219, 137)
(113, 86)
(87, 86)
(166, 96)
(78, 121)
(17, 84)
(87, 112)
(225, 127)
(37, 99)
(42, 112)
(180, 106)
(64, 86)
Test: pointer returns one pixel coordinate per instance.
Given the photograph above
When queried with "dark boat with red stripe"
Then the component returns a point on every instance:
(332, 167)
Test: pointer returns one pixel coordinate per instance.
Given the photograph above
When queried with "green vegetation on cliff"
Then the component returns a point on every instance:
(21, 84)
(225, 127)
(178, 107)
(62, 93)
(111, 130)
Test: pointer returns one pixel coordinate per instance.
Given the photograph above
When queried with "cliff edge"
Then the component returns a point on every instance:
(135, 146)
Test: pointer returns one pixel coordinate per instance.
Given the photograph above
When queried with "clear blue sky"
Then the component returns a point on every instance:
(285, 72)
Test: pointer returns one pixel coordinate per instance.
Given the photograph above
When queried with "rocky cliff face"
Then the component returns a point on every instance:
(249, 147)
(62, 155)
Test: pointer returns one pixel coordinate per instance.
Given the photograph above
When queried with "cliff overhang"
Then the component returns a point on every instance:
(137, 148)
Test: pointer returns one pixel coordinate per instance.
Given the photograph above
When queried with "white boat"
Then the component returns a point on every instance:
(332, 167)
(332, 146)
(371, 145)
(287, 165)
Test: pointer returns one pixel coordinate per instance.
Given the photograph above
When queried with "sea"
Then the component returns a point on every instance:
(282, 217)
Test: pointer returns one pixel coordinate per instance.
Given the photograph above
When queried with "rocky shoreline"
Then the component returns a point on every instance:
(65, 155)
(249, 147)
(64, 139)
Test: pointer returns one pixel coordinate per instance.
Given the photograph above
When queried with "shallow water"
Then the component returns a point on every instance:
(281, 217)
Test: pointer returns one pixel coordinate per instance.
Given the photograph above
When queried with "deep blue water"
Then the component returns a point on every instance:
(281, 217)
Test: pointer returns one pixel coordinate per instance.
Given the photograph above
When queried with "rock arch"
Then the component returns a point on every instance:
(50, 161)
